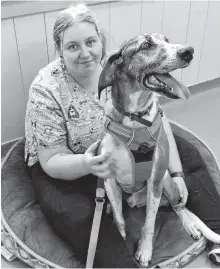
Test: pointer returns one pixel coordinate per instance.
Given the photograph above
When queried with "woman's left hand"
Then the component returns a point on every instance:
(182, 191)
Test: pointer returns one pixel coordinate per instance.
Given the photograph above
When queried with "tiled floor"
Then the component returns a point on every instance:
(200, 114)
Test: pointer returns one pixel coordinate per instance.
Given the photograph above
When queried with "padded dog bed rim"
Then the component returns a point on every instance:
(201, 140)
(178, 261)
(19, 245)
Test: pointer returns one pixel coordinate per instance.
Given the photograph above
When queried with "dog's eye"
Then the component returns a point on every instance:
(146, 45)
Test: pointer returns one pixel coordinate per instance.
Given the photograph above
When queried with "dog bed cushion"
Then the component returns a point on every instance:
(27, 234)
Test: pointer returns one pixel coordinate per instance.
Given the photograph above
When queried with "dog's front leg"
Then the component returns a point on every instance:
(145, 247)
(154, 192)
(115, 197)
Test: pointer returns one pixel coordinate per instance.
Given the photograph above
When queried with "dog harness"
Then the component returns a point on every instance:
(140, 140)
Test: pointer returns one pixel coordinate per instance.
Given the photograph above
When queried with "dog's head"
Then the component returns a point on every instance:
(147, 60)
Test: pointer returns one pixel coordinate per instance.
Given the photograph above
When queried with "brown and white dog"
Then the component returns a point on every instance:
(137, 74)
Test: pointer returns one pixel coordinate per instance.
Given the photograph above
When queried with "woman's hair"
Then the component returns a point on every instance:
(74, 14)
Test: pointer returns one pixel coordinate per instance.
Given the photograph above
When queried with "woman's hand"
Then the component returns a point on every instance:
(182, 191)
(97, 165)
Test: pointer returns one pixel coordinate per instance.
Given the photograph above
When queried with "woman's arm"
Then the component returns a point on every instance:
(61, 163)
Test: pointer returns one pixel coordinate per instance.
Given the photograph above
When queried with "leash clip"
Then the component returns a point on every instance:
(100, 194)
(131, 116)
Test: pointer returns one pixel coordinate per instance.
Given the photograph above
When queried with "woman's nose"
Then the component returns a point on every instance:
(84, 52)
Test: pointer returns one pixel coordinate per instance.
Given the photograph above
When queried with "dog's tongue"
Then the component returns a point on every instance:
(178, 88)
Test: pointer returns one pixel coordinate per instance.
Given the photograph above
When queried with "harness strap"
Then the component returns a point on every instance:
(118, 128)
(127, 135)
(135, 116)
(99, 200)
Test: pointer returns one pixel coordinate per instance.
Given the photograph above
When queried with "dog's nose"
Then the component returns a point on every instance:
(186, 53)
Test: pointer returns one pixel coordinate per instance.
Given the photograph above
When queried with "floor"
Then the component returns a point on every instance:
(200, 114)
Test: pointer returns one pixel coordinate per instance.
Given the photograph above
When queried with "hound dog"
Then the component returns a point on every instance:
(134, 122)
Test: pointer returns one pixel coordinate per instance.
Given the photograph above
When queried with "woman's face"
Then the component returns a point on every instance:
(82, 49)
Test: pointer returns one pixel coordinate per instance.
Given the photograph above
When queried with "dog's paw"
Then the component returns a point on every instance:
(137, 199)
(144, 253)
(188, 224)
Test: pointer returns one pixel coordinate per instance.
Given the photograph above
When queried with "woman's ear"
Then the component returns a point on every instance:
(108, 73)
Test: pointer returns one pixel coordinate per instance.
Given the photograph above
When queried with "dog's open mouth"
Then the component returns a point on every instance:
(167, 85)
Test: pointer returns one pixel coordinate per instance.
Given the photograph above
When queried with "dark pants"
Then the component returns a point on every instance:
(69, 206)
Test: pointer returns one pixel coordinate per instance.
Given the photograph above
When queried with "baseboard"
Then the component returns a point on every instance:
(205, 85)
(197, 88)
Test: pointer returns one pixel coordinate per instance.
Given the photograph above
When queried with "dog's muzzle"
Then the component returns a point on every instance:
(167, 85)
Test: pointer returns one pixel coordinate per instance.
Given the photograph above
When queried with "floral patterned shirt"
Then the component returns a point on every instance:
(60, 112)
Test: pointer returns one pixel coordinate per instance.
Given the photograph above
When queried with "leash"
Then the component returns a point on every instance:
(99, 200)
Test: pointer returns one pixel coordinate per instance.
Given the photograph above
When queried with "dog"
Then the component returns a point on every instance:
(138, 73)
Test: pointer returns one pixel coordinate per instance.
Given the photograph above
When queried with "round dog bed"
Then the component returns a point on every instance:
(27, 235)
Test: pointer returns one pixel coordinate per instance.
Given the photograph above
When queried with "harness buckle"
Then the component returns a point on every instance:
(131, 116)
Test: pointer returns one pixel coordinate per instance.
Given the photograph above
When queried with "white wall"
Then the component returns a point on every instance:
(27, 44)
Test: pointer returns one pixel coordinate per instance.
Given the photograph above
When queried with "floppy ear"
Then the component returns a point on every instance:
(107, 75)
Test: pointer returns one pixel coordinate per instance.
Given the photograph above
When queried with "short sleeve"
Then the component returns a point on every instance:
(44, 121)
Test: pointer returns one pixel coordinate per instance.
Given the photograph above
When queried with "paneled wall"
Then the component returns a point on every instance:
(27, 44)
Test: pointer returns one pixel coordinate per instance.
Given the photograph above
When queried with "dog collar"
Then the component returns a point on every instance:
(135, 116)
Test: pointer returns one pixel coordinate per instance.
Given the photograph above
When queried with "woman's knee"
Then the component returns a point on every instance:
(76, 208)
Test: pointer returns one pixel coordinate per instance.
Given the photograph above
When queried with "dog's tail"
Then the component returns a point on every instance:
(208, 233)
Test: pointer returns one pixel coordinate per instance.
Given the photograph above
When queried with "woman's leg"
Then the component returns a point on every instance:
(69, 206)
(204, 199)
(202, 180)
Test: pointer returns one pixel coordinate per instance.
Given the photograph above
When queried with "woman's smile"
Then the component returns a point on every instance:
(86, 62)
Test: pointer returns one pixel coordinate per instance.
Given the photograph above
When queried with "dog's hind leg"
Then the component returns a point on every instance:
(114, 194)
(139, 199)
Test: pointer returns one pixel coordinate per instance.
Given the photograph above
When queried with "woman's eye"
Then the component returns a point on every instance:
(91, 42)
(73, 47)
(146, 45)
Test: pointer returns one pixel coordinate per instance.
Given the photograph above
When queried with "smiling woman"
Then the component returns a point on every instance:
(62, 125)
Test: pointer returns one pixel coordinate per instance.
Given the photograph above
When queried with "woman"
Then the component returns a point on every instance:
(63, 121)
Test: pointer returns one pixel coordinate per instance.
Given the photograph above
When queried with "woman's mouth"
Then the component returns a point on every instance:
(86, 62)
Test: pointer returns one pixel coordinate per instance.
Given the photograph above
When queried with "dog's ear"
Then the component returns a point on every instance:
(107, 75)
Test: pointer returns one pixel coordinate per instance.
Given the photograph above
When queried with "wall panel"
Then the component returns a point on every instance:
(32, 46)
(124, 22)
(151, 16)
(175, 23)
(12, 94)
(210, 58)
(102, 15)
(196, 27)
(50, 18)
